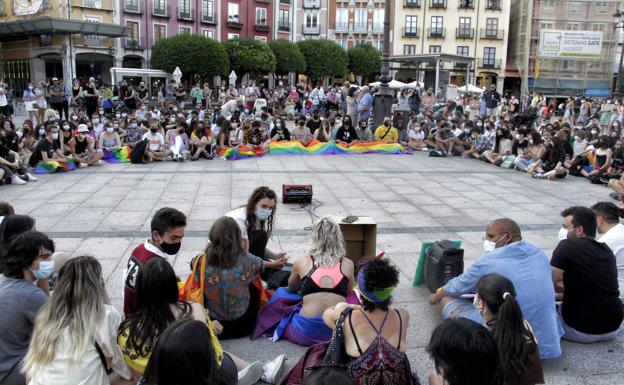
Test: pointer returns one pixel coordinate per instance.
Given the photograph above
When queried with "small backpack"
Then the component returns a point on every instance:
(138, 152)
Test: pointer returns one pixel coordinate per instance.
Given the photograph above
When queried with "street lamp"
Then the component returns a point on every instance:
(384, 97)
(619, 23)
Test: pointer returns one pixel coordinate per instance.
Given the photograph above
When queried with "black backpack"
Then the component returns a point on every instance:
(138, 152)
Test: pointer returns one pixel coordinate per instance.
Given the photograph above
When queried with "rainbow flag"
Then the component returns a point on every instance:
(119, 154)
(240, 152)
(52, 166)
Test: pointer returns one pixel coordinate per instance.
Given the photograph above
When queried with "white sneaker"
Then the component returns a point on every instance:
(31, 177)
(99, 163)
(17, 180)
(271, 371)
(251, 374)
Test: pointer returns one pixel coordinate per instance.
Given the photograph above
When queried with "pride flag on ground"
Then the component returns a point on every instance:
(240, 152)
(52, 166)
(119, 154)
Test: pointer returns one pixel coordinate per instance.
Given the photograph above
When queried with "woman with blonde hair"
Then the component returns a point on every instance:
(75, 333)
(318, 281)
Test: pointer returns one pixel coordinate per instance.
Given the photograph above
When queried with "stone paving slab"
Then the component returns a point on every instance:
(105, 211)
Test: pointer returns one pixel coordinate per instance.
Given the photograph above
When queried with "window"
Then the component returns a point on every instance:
(342, 43)
(208, 33)
(160, 32)
(208, 9)
(436, 25)
(464, 26)
(261, 16)
(284, 19)
(361, 17)
(233, 36)
(411, 24)
(489, 56)
(378, 44)
(184, 7)
(186, 30)
(342, 19)
(134, 31)
(160, 6)
(573, 26)
(378, 19)
(435, 48)
(602, 7)
(491, 26)
(233, 12)
(131, 5)
(93, 40)
(599, 27)
(548, 5)
(546, 25)
(261, 38)
(409, 49)
(462, 50)
(574, 7)
(311, 20)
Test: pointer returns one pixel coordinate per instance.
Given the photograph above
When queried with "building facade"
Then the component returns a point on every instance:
(358, 22)
(562, 76)
(310, 19)
(247, 19)
(282, 20)
(472, 28)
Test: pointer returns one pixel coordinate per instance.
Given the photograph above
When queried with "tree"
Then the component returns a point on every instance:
(364, 60)
(197, 56)
(250, 56)
(323, 58)
(288, 56)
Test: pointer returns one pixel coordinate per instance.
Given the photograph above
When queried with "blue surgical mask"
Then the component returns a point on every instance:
(46, 268)
(263, 214)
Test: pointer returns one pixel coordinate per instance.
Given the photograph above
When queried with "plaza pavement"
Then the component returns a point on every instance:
(105, 211)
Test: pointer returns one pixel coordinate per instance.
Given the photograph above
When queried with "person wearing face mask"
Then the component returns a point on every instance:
(11, 169)
(314, 123)
(279, 131)
(82, 148)
(178, 141)
(28, 260)
(167, 231)
(300, 132)
(526, 266)
(585, 274)
(386, 133)
(608, 224)
(363, 132)
(109, 139)
(29, 97)
(156, 149)
(346, 133)
(91, 95)
(133, 133)
(49, 148)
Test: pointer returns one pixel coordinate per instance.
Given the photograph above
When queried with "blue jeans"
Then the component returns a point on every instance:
(462, 308)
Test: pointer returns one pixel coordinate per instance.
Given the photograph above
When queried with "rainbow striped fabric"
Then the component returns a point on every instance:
(117, 155)
(52, 166)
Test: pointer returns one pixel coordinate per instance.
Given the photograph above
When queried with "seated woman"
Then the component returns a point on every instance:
(375, 334)
(502, 146)
(323, 134)
(202, 142)
(232, 292)
(76, 331)
(279, 131)
(109, 139)
(550, 166)
(323, 278)
(496, 301)
(602, 158)
(534, 152)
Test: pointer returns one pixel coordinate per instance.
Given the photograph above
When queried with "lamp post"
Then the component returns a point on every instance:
(384, 97)
(619, 23)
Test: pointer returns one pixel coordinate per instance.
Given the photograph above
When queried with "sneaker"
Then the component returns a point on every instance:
(174, 158)
(17, 180)
(31, 177)
(195, 157)
(99, 162)
(82, 165)
(180, 158)
(23, 177)
(251, 374)
(271, 371)
(615, 196)
(539, 175)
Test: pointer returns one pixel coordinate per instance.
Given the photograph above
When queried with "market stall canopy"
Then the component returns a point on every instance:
(470, 88)
(394, 84)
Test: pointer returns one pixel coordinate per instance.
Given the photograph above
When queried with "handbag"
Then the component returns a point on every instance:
(190, 290)
(336, 352)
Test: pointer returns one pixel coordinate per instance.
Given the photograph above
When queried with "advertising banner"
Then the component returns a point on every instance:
(556, 43)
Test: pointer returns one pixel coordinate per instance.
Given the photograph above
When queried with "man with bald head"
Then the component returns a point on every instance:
(526, 266)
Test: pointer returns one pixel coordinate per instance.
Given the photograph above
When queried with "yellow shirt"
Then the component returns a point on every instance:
(392, 135)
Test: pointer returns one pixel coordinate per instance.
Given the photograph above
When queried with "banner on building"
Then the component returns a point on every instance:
(557, 43)
(28, 7)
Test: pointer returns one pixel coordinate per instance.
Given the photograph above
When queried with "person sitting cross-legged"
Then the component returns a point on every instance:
(156, 149)
(82, 148)
(522, 263)
(585, 274)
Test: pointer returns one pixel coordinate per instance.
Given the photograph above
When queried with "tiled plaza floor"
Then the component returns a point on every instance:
(105, 211)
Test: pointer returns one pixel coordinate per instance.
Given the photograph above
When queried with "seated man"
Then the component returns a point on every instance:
(363, 133)
(82, 148)
(591, 310)
(300, 132)
(480, 144)
(387, 133)
(48, 148)
(156, 149)
(11, 169)
(167, 231)
(526, 266)
(445, 140)
(617, 185)
(607, 219)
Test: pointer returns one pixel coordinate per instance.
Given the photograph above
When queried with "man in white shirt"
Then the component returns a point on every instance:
(228, 108)
(608, 223)
(156, 143)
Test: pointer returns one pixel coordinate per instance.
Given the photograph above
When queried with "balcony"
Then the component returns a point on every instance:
(262, 26)
(312, 4)
(234, 23)
(436, 33)
(410, 32)
(492, 34)
(209, 18)
(341, 27)
(285, 2)
(376, 27)
(465, 4)
(360, 27)
(437, 4)
(464, 33)
(134, 7)
(494, 64)
(283, 28)
(263, 1)
(93, 41)
(493, 5)
(133, 44)
(311, 30)
(411, 4)
(186, 15)
(161, 11)
(461, 65)
(107, 5)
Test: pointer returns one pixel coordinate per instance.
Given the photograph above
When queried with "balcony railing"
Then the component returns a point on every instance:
(437, 4)
(283, 28)
(209, 18)
(492, 34)
(438, 33)
(95, 4)
(262, 26)
(410, 32)
(311, 30)
(359, 27)
(134, 44)
(93, 41)
(489, 63)
(465, 4)
(234, 23)
(185, 14)
(311, 4)
(134, 7)
(342, 27)
(493, 5)
(263, 1)
(411, 4)
(464, 33)
(376, 27)
(162, 11)
(284, 1)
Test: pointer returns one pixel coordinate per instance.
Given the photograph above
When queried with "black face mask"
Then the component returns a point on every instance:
(387, 124)
(170, 248)
(153, 130)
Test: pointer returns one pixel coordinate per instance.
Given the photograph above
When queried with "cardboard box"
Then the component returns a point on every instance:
(360, 238)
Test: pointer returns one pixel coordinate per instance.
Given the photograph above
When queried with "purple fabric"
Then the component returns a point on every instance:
(282, 304)
(352, 299)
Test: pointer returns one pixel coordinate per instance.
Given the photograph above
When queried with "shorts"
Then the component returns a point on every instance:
(492, 111)
(571, 334)
(462, 308)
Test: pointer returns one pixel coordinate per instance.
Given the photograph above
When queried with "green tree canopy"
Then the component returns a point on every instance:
(364, 60)
(323, 58)
(250, 56)
(197, 56)
(289, 57)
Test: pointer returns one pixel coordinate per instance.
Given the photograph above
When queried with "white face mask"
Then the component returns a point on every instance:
(488, 245)
(109, 130)
(41, 131)
(55, 136)
(19, 133)
(563, 234)
(517, 136)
